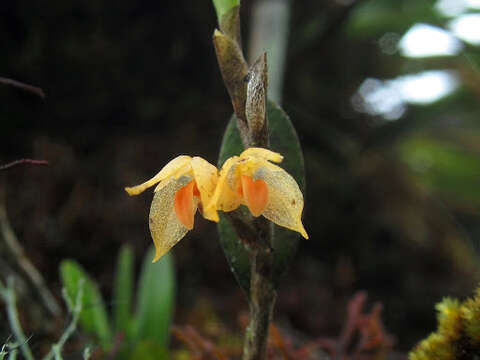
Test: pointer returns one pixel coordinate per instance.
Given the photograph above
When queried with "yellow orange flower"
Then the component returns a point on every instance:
(184, 184)
(265, 188)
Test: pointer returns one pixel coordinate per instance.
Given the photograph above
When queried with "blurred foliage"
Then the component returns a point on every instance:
(93, 316)
(17, 342)
(372, 18)
(144, 332)
(362, 336)
(445, 168)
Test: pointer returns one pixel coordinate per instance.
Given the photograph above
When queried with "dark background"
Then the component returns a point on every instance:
(132, 84)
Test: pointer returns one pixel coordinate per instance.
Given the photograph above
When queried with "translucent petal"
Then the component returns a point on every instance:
(165, 227)
(262, 153)
(285, 200)
(225, 197)
(175, 168)
(250, 165)
(206, 177)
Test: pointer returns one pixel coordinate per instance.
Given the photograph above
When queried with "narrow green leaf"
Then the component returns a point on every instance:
(283, 139)
(156, 296)
(224, 6)
(123, 290)
(93, 317)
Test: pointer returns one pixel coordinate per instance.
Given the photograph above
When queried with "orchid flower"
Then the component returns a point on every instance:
(184, 184)
(265, 188)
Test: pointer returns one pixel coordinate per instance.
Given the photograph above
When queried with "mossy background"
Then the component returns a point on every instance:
(131, 84)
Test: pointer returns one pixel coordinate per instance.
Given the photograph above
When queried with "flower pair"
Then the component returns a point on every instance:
(187, 183)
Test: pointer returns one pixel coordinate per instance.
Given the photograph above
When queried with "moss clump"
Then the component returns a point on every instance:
(458, 333)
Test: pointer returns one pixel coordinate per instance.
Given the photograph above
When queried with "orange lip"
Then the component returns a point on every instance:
(255, 194)
(184, 204)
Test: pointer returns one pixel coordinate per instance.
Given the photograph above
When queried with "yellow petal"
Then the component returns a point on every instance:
(285, 200)
(165, 227)
(225, 197)
(174, 168)
(261, 153)
(206, 177)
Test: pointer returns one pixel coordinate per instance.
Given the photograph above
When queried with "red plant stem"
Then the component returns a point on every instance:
(29, 88)
(22, 162)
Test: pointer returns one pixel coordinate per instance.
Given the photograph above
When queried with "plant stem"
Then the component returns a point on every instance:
(17, 254)
(262, 294)
(29, 88)
(248, 92)
(262, 301)
(75, 309)
(8, 295)
(262, 291)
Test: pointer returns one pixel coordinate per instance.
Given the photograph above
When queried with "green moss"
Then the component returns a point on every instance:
(458, 333)
(471, 316)
(450, 319)
(436, 346)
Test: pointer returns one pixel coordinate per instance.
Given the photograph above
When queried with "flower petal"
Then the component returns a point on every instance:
(261, 153)
(174, 168)
(285, 200)
(225, 197)
(165, 227)
(185, 206)
(206, 177)
(255, 194)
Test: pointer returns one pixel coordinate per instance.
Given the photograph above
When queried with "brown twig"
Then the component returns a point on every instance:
(16, 252)
(19, 85)
(361, 333)
(23, 162)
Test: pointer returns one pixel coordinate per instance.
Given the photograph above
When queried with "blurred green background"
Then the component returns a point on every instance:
(385, 98)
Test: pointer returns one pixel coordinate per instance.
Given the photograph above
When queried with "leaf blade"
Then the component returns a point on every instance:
(93, 318)
(123, 290)
(155, 304)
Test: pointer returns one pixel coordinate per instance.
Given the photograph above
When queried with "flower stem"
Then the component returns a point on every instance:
(262, 294)
(248, 92)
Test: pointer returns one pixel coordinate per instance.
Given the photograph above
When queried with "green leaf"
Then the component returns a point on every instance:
(375, 17)
(283, 139)
(123, 290)
(224, 6)
(444, 168)
(156, 296)
(93, 317)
